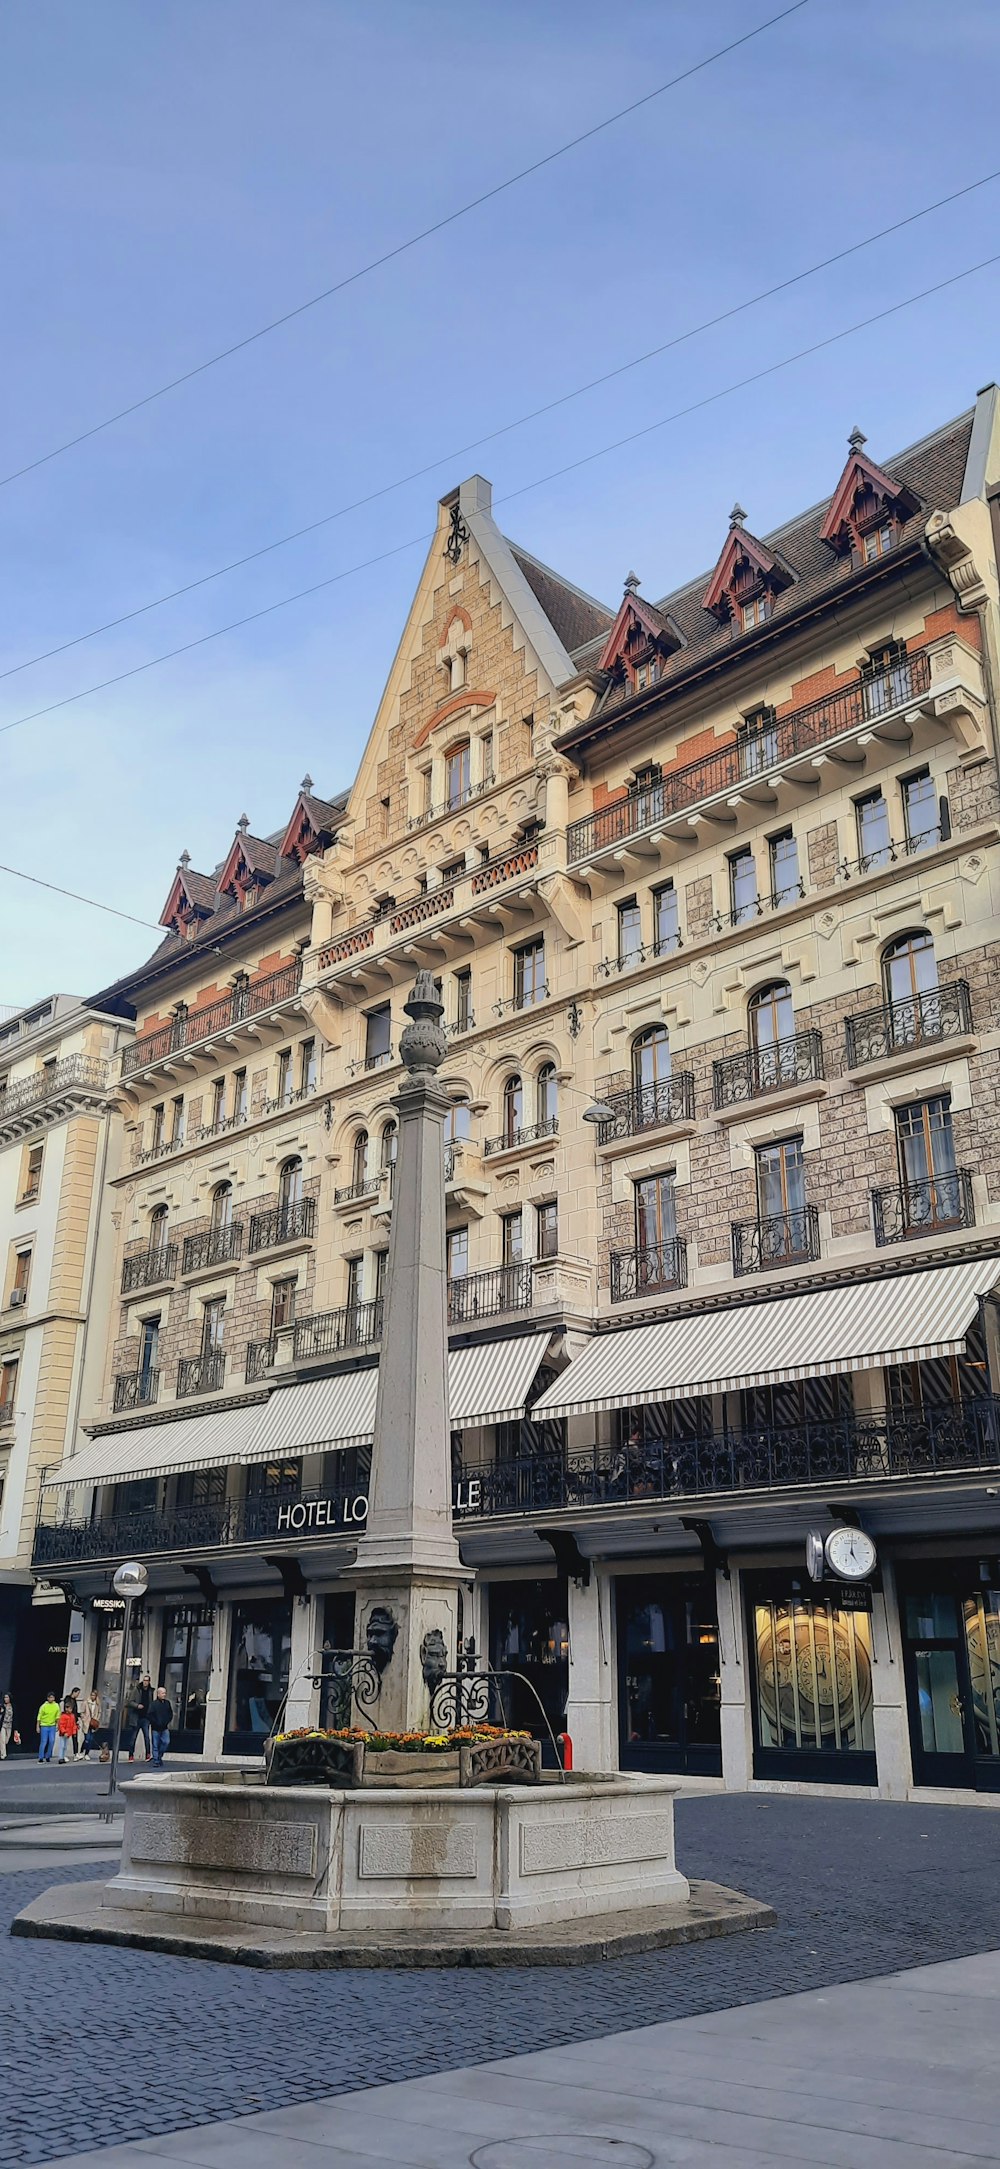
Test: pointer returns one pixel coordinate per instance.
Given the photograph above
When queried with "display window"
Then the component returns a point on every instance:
(668, 1673)
(258, 1672)
(529, 1650)
(813, 1694)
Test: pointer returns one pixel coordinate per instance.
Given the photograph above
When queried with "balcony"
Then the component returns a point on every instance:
(135, 1389)
(261, 1358)
(749, 760)
(214, 1246)
(650, 1271)
(201, 1374)
(352, 1192)
(647, 1107)
(336, 1332)
(210, 1526)
(149, 1267)
(853, 1450)
(453, 804)
(283, 1224)
(6, 1412)
(517, 1002)
(249, 999)
(609, 966)
(890, 852)
(366, 1062)
(461, 895)
(490, 1294)
(922, 1021)
(514, 1137)
(782, 1239)
(915, 1209)
(757, 907)
(24, 1104)
(737, 1078)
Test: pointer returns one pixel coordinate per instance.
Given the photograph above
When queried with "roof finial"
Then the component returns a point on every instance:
(306, 783)
(856, 439)
(632, 583)
(184, 862)
(243, 823)
(737, 515)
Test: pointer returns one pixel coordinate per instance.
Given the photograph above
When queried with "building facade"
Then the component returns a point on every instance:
(710, 889)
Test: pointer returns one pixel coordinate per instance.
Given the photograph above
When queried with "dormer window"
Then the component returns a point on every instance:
(639, 643)
(245, 898)
(877, 543)
(866, 510)
(755, 612)
(746, 579)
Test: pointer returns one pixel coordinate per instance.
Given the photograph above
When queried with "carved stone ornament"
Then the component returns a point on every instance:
(423, 1044)
(433, 1657)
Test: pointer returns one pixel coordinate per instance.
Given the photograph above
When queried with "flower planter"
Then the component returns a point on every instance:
(315, 1758)
(310, 1761)
(392, 1766)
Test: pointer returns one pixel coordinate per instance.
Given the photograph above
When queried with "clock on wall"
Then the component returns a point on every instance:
(850, 1554)
(815, 1556)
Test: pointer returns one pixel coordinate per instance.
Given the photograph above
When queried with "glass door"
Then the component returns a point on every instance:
(529, 1648)
(951, 1654)
(668, 1673)
(186, 1670)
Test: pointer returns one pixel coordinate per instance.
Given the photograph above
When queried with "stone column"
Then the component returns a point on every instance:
(408, 1569)
(736, 1717)
(590, 1705)
(218, 1685)
(889, 1714)
(303, 1697)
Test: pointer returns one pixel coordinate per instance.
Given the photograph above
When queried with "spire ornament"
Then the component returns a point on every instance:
(423, 1043)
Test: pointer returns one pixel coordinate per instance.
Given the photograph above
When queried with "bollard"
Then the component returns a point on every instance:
(567, 1749)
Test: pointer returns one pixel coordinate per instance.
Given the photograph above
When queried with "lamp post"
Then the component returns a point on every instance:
(130, 1581)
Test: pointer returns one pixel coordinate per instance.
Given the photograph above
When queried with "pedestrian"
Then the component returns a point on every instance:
(141, 1704)
(66, 1729)
(6, 1725)
(74, 1702)
(160, 1716)
(90, 1721)
(47, 1720)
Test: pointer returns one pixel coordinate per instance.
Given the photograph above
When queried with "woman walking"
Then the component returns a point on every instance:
(6, 1725)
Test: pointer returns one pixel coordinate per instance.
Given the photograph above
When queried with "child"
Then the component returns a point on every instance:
(66, 1729)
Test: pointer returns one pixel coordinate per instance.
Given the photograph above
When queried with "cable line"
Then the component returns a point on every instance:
(505, 429)
(76, 898)
(389, 256)
(587, 459)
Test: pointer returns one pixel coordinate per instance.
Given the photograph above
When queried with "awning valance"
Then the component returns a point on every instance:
(904, 1318)
(326, 1412)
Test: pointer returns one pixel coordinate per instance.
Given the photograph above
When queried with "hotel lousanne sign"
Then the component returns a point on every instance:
(301, 1516)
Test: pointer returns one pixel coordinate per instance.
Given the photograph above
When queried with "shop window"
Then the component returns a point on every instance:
(669, 1690)
(813, 1694)
(186, 1671)
(529, 1643)
(259, 1670)
(31, 1177)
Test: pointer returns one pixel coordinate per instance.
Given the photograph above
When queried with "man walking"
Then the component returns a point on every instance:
(160, 1715)
(141, 1704)
(48, 1718)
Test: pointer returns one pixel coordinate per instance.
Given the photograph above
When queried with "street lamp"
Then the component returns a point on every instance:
(130, 1581)
(597, 1113)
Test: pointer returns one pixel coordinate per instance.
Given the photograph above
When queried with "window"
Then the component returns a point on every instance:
(156, 1131)
(928, 1173)
(512, 1237)
(651, 1058)
(383, 906)
(743, 886)
(282, 1304)
(909, 969)
(354, 1268)
(452, 872)
(874, 841)
(458, 1122)
(920, 811)
(378, 1033)
(666, 926)
(22, 1271)
(513, 1110)
(177, 1121)
(456, 775)
(647, 777)
(32, 1179)
(149, 1355)
(213, 1314)
(757, 738)
(290, 1185)
(877, 543)
(781, 1184)
(646, 674)
(886, 678)
(8, 1387)
(246, 898)
(222, 1207)
(218, 1114)
(239, 1095)
(755, 612)
(486, 757)
(783, 854)
(629, 932)
(547, 1096)
(463, 1001)
(359, 1161)
(458, 1253)
(426, 790)
(389, 1147)
(770, 1015)
(547, 1229)
(284, 1092)
(529, 975)
(158, 1230)
(655, 1212)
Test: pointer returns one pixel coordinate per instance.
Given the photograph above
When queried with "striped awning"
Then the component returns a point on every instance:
(490, 1384)
(904, 1318)
(327, 1412)
(161, 1449)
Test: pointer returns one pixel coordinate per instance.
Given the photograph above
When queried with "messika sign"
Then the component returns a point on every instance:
(346, 1513)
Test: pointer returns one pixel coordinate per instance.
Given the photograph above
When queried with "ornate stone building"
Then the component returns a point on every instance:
(710, 889)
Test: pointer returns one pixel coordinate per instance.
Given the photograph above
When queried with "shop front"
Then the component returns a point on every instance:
(668, 1673)
(811, 1680)
(259, 1668)
(185, 1671)
(950, 1618)
(529, 1651)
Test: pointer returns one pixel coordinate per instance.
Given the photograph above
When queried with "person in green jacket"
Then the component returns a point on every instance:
(48, 1718)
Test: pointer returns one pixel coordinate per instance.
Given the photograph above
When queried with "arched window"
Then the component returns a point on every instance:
(222, 1205)
(290, 1184)
(158, 1227)
(359, 1161)
(770, 1015)
(651, 1057)
(513, 1110)
(909, 967)
(547, 1096)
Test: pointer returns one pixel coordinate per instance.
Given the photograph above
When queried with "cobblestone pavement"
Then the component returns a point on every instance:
(861, 1888)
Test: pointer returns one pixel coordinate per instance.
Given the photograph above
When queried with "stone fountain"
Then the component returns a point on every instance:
(410, 1873)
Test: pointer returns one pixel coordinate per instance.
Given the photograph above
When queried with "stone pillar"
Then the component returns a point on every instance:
(736, 1716)
(218, 1685)
(590, 1710)
(892, 1731)
(408, 1568)
(303, 1697)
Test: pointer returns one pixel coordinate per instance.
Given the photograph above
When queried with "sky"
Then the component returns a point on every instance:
(174, 175)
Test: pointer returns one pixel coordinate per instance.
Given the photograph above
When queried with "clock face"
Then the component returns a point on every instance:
(850, 1554)
(815, 1556)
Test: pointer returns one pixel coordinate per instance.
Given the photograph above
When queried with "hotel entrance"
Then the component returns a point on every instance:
(185, 1671)
(951, 1654)
(668, 1673)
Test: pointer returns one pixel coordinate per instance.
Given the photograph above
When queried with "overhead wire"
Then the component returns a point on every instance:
(634, 436)
(474, 444)
(37, 882)
(426, 233)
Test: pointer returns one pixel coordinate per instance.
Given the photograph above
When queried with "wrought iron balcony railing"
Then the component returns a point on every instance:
(261, 1357)
(149, 1267)
(855, 1449)
(476, 881)
(756, 906)
(728, 768)
(887, 853)
(6, 1411)
(247, 999)
(924, 1208)
(283, 1224)
(135, 1389)
(647, 1107)
(489, 1294)
(528, 1000)
(922, 1020)
(359, 1325)
(214, 1246)
(366, 1186)
(664, 946)
(755, 1070)
(650, 1271)
(781, 1239)
(530, 1135)
(204, 1373)
(453, 804)
(76, 1072)
(210, 1525)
